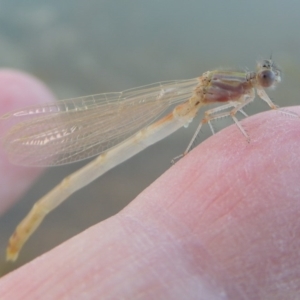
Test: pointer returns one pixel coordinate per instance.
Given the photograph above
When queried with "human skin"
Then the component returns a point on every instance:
(222, 223)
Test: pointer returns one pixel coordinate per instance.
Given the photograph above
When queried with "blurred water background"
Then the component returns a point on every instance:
(87, 47)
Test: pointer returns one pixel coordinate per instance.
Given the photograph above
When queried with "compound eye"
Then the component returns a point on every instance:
(266, 78)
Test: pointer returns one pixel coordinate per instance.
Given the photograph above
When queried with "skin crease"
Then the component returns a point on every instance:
(222, 223)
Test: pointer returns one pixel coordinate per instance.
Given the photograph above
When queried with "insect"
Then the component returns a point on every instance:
(116, 126)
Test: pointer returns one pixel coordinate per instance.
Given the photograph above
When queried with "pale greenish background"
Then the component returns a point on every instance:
(87, 47)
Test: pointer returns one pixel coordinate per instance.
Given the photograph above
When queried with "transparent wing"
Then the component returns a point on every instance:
(75, 129)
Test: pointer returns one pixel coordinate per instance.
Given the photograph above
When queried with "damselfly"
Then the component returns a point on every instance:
(116, 126)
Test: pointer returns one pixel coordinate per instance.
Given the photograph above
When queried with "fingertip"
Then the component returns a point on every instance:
(17, 90)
